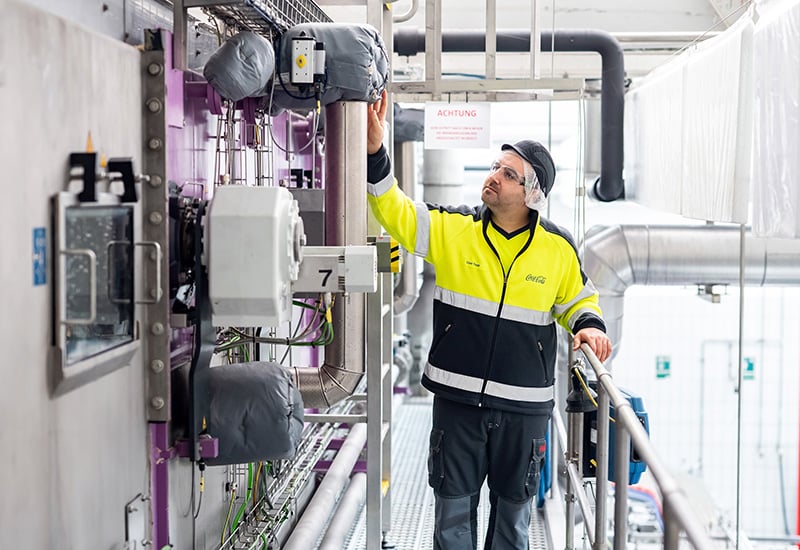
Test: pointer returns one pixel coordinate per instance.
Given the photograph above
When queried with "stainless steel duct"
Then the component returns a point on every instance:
(345, 224)
(624, 255)
(407, 291)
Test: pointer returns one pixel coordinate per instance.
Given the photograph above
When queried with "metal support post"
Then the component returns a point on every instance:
(672, 530)
(574, 452)
(379, 356)
(622, 452)
(601, 472)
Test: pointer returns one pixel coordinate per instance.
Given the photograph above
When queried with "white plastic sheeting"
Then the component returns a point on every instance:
(688, 128)
(776, 135)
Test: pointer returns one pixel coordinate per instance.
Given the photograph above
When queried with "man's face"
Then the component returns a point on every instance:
(504, 187)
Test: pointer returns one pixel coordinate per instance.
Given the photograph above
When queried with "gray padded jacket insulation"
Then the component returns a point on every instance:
(242, 67)
(255, 411)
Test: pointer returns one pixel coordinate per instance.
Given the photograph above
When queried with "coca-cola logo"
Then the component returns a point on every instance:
(536, 279)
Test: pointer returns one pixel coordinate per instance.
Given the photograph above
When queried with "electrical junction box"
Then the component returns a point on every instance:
(254, 248)
(338, 269)
(302, 60)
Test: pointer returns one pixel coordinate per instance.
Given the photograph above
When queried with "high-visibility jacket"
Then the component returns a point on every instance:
(496, 300)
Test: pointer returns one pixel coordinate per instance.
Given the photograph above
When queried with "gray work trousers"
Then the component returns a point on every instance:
(469, 444)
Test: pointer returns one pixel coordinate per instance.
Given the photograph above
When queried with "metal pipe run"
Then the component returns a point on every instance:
(345, 515)
(610, 185)
(345, 224)
(407, 291)
(312, 522)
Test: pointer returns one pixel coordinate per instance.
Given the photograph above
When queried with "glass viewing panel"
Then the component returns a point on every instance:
(99, 306)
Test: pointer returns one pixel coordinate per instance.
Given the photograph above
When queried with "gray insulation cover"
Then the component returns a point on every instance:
(255, 411)
(356, 65)
(241, 67)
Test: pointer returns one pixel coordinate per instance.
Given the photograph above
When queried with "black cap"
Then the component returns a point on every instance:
(539, 157)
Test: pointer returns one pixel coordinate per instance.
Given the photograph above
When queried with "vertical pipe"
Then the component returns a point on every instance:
(622, 448)
(433, 45)
(672, 530)
(739, 416)
(346, 219)
(491, 39)
(179, 38)
(574, 454)
(345, 224)
(407, 291)
(601, 475)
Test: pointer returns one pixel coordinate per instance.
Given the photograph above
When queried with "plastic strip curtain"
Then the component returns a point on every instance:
(776, 135)
(688, 128)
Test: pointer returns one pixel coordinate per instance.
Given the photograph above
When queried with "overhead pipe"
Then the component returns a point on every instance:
(620, 256)
(610, 185)
(310, 525)
(345, 224)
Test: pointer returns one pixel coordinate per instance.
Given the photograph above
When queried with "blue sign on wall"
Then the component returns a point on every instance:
(39, 256)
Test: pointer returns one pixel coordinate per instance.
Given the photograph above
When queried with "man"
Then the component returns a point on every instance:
(504, 276)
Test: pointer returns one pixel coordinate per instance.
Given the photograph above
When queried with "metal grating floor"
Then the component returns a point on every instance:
(412, 499)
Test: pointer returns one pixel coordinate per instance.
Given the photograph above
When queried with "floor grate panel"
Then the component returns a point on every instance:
(412, 499)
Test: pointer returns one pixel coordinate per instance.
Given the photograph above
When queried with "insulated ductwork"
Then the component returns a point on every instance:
(624, 255)
(345, 224)
(610, 185)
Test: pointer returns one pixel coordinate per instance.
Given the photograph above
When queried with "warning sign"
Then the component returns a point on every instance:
(457, 125)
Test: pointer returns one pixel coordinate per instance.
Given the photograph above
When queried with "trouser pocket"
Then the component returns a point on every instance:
(435, 460)
(538, 448)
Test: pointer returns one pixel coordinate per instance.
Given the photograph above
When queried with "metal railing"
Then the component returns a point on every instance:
(678, 518)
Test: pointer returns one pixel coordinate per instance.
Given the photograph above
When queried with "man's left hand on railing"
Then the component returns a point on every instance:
(596, 339)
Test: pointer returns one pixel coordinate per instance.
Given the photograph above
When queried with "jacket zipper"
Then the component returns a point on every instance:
(441, 338)
(544, 364)
(499, 307)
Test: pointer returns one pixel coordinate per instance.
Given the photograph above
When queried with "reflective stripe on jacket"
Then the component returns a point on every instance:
(494, 335)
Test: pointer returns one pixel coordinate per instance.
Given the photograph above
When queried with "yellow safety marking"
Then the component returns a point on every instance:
(384, 486)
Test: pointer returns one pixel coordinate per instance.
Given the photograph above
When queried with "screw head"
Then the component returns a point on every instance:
(155, 181)
(154, 105)
(154, 144)
(157, 329)
(157, 365)
(157, 403)
(155, 218)
(155, 69)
